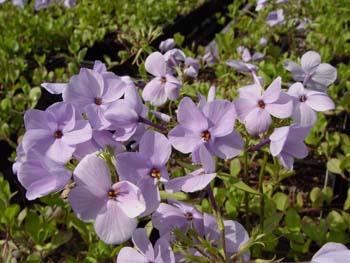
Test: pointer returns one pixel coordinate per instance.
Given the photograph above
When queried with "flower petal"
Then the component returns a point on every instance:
(273, 91)
(154, 92)
(142, 243)
(155, 64)
(319, 101)
(113, 226)
(324, 75)
(190, 117)
(132, 166)
(257, 121)
(151, 195)
(163, 252)
(184, 140)
(310, 60)
(130, 255)
(228, 146)
(54, 88)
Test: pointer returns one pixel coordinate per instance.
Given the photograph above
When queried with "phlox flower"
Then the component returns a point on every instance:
(235, 235)
(244, 66)
(275, 18)
(254, 106)
(166, 45)
(211, 54)
(306, 102)
(211, 126)
(21, 156)
(210, 97)
(147, 167)
(55, 132)
(125, 115)
(191, 67)
(164, 86)
(198, 179)
(41, 176)
(173, 59)
(144, 252)
(112, 207)
(313, 73)
(260, 4)
(287, 143)
(331, 253)
(179, 215)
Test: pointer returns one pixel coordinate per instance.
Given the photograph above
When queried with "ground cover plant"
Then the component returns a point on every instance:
(234, 152)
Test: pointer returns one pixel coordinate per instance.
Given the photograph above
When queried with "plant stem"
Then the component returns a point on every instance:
(261, 190)
(245, 176)
(219, 220)
(152, 124)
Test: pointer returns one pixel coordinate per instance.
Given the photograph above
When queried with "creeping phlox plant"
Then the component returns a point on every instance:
(120, 150)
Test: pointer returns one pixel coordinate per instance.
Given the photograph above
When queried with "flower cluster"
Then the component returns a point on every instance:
(104, 125)
(41, 4)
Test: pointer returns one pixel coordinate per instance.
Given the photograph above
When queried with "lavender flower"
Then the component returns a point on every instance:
(196, 180)
(244, 66)
(331, 253)
(146, 167)
(113, 208)
(211, 126)
(255, 106)
(287, 143)
(260, 4)
(235, 235)
(41, 176)
(164, 86)
(275, 18)
(144, 252)
(191, 68)
(313, 73)
(55, 132)
(166, 45)
(306, 102)
(211, 54)
(176, 215)
(174, 58)
(21, 156)
(210, 97)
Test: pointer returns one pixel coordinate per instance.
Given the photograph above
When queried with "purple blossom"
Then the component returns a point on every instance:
(99, 141)
(124, 115)
(196, 180)
(306, 102)
(260, 4)
(263, 41)
(287, 143)
(174, 58)
(55, 132)
(144, 251)
(164, 86)
(147, 167)
(21, 156)
(275, 18)
(211, 126)
(313, 73)
(211, 54)
(41, 176)
(210, 97)
(166, 45)
(235, 235)
(112, 207)
(331, 253)
(177, 215)
(255, 106)
(244, 66)
(191, 67)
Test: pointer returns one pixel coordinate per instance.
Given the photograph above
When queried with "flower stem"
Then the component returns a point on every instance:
(152, 124)
(258, 146)
(245, 177)
(219, 220)
(261, 190)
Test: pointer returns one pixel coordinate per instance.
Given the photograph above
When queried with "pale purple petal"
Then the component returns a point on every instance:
(206, 159)
(228, 146)
(55, 88)
(172, 87)
(286, 160)
(59, 151)
(257, 121)
(190, 183)
(129, 198)
(99, 67)
(130, 255)
(273, 91)
(156, 147)
(155, 64)
(132, 166)
(282, 108)
(296, 90)
(37, 119)
(250, 92)
(184, 140)
(142, 243)
(319, 101)
(82, 132)
(150, 193)
(64, 115)
(324, 75)
(114, 87)
(163, 252)
(113, 226)
(154, 92)
(331, 253)
(278, 139)
(296, 70)
(190, 117)
(310, 61)
(244, 107)
(304, 115)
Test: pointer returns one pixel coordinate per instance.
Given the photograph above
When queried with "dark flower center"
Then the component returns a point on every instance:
(261, 104)
(112, 194)
(98, 101)
(189, 216)
(163, 79)
(155, 173)
(58, 134)
(302, 98)
(206, 136)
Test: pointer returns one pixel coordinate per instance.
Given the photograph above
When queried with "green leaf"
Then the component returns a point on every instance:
(282, 201)
(316, 197)
(336, 222)
(334, 166)
(347, 201)
(235, 167)
(292, 220)
(239, 184)
(327, 194)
